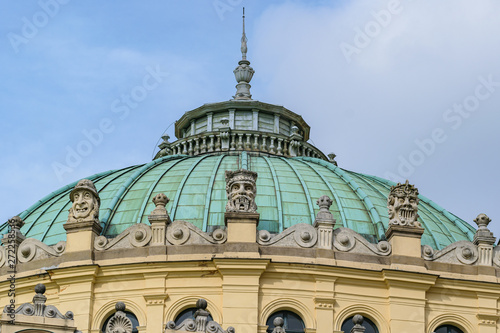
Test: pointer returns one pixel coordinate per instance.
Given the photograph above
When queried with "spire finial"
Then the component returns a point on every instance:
(244, 40)
(243, 72)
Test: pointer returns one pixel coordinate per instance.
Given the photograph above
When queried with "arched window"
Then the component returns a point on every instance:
(448, 329)
(293, 322)
(188, 314)
(130, 316)
(347, 325)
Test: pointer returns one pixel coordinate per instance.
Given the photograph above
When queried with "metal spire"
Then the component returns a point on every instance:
(244, 40)
(243, 73)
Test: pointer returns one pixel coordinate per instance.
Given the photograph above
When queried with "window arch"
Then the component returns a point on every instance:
(188, 314)
(129, 315)
(370, 326)
(448, 329)
(293, 322)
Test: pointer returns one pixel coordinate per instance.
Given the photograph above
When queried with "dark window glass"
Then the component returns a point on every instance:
(367, 323)
(188, 314)
(448, 329)
(130, 316)
(293, 322)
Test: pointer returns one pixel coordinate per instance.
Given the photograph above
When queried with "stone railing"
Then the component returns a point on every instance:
(232, 140)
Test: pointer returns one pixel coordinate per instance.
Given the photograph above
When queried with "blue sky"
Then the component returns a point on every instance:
(398, 89)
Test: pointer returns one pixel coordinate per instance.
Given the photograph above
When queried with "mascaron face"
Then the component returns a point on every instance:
(242, 194)
(83, 204)
(405, 207)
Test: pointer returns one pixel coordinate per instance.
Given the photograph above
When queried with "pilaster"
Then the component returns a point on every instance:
(76, 292)
(324, 301)
(407, 299)
(240, 292)
(155, 295)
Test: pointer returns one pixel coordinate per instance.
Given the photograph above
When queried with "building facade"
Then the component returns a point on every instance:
(242, 212)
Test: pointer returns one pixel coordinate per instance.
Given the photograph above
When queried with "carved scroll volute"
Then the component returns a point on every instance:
(324, 223)
(159, 219)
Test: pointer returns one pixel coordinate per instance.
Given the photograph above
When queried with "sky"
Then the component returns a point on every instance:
(399, 89)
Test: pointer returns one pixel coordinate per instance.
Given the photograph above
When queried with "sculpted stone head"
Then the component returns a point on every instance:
(241, 191)
(403, 205)
(85, 202)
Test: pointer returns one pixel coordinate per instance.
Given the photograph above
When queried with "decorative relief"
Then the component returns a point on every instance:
(184, 233)
(38, 307)
(298, 235)
(119, 323)
(461, 252)
(241, 191)
(32, 249)
(200, 323)
(324, 223)
(86, 202)
(496, 256)
(347, 240)
(403, 205)
(138, 235)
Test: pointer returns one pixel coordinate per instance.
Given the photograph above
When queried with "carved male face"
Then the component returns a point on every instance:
(241, 190)
(83, 204)
(242, 195)
(403, 205)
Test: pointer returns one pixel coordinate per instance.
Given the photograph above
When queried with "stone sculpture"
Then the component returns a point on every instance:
(241, 191)
(119, 323)
(358, 324)
(200, 323)
(38, 307)
(403, 205)
(278, 323)
(86, 202)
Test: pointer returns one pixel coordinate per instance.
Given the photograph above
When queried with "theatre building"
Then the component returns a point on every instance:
(241, 225)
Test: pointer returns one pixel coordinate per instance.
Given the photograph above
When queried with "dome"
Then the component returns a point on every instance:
(287, 191)
(241, 133)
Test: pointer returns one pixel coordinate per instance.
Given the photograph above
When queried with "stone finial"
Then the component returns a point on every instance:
(483, 234)
(324, 215)
(484, 240)
(119, 323)
(331, 158)
(403, 205)
(243, 73)
(159, 219)
(324, 223)
(15, 223)
(201, 315)
(165, 146)
(200, 322)
(160, 213)
(278, 323)
(358, 324)
(39, 309)
(241, 190)
(86, 202)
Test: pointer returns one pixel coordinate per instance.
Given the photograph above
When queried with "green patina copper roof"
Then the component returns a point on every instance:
(287, 190)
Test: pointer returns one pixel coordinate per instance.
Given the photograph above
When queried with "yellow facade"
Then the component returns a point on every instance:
(244, 283)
